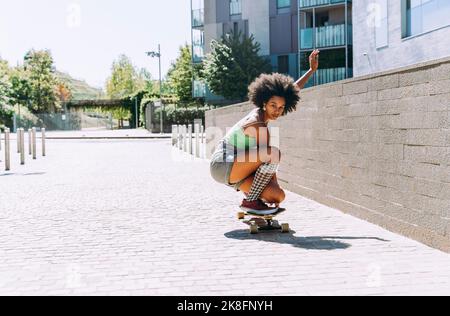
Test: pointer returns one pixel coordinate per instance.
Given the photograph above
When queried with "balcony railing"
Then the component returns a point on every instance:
(332, 35)
(198, 53)
(306, 38)
(235, 7)
(198, 89)
(315, 3)
(330, 75)
(198, 18)
(198, 45)
(326, 36)
(323, 76)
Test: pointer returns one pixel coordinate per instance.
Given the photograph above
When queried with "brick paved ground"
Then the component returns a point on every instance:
(127, 217)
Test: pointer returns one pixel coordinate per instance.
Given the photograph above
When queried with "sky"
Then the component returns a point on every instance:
(86, 36)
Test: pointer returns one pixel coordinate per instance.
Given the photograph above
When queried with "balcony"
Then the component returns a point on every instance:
(330, 75)
(198, 45)
(198, 18)
(198, 54)
(325, 36)
(198, 89)
(316, 3)
(323, 76)
(235, 7)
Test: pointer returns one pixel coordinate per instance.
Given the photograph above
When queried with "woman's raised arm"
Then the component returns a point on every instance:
(314, 65)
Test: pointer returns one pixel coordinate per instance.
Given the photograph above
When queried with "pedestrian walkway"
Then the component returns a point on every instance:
(131, 217)
(102, 134)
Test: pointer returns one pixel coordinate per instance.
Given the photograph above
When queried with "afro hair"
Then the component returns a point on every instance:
(267, 86)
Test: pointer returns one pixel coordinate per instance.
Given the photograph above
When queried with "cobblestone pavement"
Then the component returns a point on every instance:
(130, 217)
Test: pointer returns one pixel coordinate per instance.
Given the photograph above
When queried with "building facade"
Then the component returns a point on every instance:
(392, 34)
(273, 23)
(326, 25)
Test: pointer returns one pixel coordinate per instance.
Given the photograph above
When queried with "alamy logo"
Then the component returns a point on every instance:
(374, 11)
(73, 19)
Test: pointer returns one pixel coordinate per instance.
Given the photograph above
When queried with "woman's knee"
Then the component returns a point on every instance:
(273, 155)
(274, 195)
(283, 196)
(280, 196)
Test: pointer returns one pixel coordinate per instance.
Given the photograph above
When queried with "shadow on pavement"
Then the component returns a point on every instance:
(23, 174)
(310, 243)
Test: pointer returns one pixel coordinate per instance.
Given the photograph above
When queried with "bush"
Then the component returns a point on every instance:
(6, 117)
(183, 116)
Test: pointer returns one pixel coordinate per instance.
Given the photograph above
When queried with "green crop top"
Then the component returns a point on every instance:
(236, 136)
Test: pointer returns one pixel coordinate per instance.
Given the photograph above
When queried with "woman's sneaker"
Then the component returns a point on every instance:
(257, 208)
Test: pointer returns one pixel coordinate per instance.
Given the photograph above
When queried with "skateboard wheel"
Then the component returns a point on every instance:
(253, 229)
(241, 215)
(285, 228)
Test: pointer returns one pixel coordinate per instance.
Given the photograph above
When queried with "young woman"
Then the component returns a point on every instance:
(244, 158)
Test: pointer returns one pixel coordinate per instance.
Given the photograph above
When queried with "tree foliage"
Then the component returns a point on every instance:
(126, 80)
(63, 92)
(181, 73)
(21, 89)
(5, 85)
(232, 65)
(40, 73)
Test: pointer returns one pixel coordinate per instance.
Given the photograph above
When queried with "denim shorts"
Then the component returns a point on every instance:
(222, 162)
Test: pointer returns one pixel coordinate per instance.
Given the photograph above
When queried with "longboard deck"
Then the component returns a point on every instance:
(270, 216)
(260, 223)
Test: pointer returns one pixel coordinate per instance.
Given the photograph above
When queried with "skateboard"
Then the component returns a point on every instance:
(264, 223)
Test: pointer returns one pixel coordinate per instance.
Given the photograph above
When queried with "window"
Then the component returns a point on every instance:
(235, 7)
(198, 43)
(422, 16)
(235, 28)
(381, 24)
(197, 4)
(283, 64)
(283, 6)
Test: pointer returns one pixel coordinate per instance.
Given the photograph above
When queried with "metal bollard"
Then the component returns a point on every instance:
(190, 139)
(22, 146)
(43, 142)
(174, 134)
(7, 151)
(197, 140)
(180, 136)
(33, 136)
(203, 146)
(185, 147)
(29, 141)
(18, 140)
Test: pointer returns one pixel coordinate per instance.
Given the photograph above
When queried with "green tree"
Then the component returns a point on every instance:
(233, 64)
(42, 79)
(5, 85)
(20, 86)
(6, 113)
(144, 82)
(63, 92)
(167, 89)
(181, 73)
(125, 79)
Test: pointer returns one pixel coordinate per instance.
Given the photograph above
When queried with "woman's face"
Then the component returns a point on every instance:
(275, 107)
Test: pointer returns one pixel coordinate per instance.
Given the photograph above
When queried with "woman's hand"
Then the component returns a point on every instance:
(314, 65)
(314, 60)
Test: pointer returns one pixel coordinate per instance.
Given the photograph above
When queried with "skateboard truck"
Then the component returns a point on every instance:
(260, 223)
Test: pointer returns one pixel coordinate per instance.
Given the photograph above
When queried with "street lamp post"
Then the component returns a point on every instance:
(153, 55)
